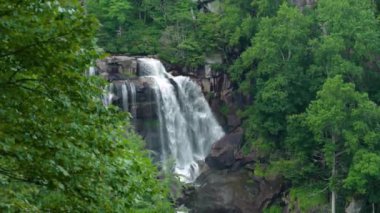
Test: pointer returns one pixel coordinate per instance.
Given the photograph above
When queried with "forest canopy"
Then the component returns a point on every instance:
(312, 72)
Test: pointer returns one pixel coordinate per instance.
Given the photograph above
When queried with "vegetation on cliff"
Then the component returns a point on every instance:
(61, 150)
(312, 72)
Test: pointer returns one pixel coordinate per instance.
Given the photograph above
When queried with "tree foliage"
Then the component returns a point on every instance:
(179, 31)
(60, 149)
(276, 77)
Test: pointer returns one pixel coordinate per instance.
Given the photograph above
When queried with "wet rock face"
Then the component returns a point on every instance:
(233, 191)
(145, 102)
(124, 69)
(118, 69)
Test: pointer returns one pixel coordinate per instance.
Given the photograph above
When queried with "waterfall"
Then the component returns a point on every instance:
(133, 106)
(108, 95)
(187, 127)
(182, 128)
(91, 71)
(125, 92)
(124, 96)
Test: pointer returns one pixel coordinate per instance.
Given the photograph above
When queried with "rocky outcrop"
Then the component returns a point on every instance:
(227, 191)
(230, 101)
(117, 67)
(226, 152)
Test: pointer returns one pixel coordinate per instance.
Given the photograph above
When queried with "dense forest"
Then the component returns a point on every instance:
(311, 73)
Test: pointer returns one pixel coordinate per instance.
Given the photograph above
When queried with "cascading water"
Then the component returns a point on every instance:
(124, 96)
(187, 127)
(125, 91)
(133, 106)
(108, 95)
(91, 71)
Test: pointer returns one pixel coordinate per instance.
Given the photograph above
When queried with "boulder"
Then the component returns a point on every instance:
(232, 191)
(226, 153)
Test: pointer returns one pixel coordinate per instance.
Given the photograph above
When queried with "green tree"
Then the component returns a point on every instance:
(139, 27)
(345, 122)
(277, 80)
(177, 30)
(60, 149)
(113, 16)
(348, 44)
(363, 177)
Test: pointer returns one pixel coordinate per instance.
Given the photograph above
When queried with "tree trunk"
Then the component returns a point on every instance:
(120, 31)
(333, 196)
(333, 177)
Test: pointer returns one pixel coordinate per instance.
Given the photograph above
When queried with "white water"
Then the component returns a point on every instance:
(133, 107)
(108, 95)
(126, 92)
(187, 126)
(124, 96)
(91, 71)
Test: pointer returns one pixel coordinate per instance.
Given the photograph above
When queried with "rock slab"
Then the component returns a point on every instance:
(224, 191)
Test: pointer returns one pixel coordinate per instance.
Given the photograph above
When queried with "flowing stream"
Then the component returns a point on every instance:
(186, 126)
